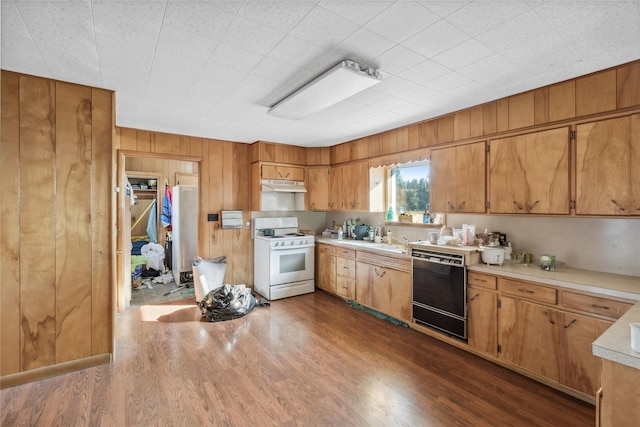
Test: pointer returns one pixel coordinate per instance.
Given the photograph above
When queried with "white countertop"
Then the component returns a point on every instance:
(614, 285)
(615, 343)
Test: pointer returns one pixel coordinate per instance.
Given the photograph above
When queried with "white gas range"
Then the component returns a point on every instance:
(283, 258)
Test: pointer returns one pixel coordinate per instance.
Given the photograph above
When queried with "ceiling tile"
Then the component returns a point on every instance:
(21, 53)
(480, 16)
(514, 32)
(447, 82)
(248, 35)
(282, 16)
(417, 94)
(401, 21)
(54, 26)
(443, 8)
(463, 54)
(424, 71)
(435, 39)
(359, 12)
(323, 28)
(398, 59)
(489, 69)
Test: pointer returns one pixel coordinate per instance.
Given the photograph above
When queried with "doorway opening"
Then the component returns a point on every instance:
(148, 215)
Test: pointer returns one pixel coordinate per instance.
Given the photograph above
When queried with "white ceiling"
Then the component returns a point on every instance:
(213, 68)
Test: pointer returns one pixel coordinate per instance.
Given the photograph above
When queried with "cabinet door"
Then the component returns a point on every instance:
(483, 321)
(442, 170)
(507, 175)
(620, 398)
(327, 272)
(580, 369)
(470, 178)
(318, 191)
(547, 172)
(355, 186)
(364, 283)
(607, 176)
(530, 173)
(336, 198)
(290, 173)
(527, 335)
(391, 292)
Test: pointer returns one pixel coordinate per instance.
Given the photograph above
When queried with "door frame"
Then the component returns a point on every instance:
(120, 255)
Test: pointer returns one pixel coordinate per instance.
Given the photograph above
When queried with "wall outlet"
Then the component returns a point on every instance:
(212, 217)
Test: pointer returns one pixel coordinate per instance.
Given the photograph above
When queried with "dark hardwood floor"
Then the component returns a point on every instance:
(310, 360)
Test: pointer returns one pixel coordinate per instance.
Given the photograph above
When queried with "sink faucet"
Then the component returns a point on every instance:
(404, 241)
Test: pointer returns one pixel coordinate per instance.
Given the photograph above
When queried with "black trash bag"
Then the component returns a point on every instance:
(229, 302)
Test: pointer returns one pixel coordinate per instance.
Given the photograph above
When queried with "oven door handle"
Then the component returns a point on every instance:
(290, 247)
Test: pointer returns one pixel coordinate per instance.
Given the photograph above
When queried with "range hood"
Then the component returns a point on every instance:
(278, 186)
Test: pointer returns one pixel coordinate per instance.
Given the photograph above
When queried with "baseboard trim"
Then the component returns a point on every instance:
(31, 375)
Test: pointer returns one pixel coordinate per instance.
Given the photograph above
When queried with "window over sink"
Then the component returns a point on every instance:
(407, 194)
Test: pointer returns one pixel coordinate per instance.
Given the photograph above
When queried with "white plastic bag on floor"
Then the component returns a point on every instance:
(155, 253)
(208, 275)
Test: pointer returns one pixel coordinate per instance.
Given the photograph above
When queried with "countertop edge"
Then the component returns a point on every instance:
(615, 343)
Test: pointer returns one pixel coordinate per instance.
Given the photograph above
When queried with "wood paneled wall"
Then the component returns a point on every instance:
(56, 291)
(225, 184)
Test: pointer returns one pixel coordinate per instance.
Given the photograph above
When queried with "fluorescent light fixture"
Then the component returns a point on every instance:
(342, 81)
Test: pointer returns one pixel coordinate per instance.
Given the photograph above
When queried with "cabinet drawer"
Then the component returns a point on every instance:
(481, 280)
(347, 253)
(346, 287)
(595, 305)
(346, 267)
(326, 249)
(528, 291)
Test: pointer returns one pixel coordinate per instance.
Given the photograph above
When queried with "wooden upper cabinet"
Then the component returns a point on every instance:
(355, 186)
(336, 198)
(318, 189)
(458, 179)
(607, 172)
(530, 173)
(290, 173)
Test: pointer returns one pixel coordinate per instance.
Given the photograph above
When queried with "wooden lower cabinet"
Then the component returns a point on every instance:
(618, 403)
(326, 268)
(482, 325)
(385, 290)
(580, 368)
(527, 335)
(553, 343)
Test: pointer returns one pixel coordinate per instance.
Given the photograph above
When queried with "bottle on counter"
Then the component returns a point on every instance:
(390, 214)
(371, 234)
(340, 233)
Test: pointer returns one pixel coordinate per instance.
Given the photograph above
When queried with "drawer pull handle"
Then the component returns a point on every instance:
(603, 307)
(533, 205)
(548, 318)
(517, 205)
(480, 280)
(474, 297)
(526, 291)
(378, 273)
(570, 323)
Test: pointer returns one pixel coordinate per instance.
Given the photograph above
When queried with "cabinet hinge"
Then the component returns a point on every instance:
(486, 205)
(498, 303)
(499, 348)
(572, 204)
(487, 148)
(572, 135)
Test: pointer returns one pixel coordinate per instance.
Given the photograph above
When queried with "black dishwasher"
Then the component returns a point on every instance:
(440, 292)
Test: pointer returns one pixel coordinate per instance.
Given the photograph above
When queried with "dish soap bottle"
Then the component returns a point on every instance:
(340, 233)
(390, 214)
